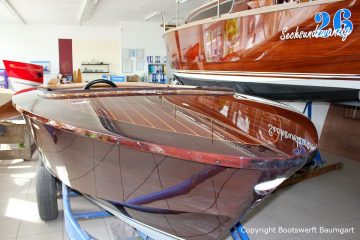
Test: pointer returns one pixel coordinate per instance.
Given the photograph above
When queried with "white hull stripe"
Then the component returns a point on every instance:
(24, 81)
(335, 83)
(275, 74)
(18, 84)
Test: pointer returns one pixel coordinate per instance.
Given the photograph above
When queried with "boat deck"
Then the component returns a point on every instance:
(184, 122)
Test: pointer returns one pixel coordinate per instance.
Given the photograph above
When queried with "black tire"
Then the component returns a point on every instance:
(46, 194)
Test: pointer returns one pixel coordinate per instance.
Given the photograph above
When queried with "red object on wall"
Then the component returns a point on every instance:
(65, 57)
(24, 71)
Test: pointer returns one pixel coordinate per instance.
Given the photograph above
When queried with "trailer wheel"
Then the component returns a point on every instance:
(46, 193)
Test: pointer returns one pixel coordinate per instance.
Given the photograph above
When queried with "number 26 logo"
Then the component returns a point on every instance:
(341, 23)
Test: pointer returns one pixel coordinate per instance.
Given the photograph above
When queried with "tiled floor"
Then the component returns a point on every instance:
(328, 201)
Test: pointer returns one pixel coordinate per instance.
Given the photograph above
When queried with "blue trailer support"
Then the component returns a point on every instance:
(238, 232)
(73, 229)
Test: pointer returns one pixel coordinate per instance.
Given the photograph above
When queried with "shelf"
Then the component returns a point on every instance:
(94, 72)
(95, 67)
(95, 64)
(158, 82)
(156, 69)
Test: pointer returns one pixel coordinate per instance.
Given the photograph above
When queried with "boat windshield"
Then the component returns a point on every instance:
(210, 9)
(218, 7)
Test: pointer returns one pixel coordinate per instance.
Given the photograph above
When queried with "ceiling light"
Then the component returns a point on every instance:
(87, 10)
(151, 16)
(12, 10)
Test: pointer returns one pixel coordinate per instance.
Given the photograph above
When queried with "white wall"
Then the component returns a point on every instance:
(27, 43)
(96, 50)
(145, 35)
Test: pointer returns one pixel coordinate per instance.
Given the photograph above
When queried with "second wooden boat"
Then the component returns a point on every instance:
(298, 50)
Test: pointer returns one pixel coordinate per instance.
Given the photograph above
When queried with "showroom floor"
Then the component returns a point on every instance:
(328, 201)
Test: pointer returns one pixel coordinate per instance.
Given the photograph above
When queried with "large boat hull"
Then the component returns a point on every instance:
(190, 163)
(274, 51)
(204, 209)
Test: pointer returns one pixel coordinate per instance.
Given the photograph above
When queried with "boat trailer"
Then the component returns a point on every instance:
(76, 232)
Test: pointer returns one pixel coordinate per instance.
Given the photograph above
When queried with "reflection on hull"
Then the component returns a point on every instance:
(189, 162)
(150, 188)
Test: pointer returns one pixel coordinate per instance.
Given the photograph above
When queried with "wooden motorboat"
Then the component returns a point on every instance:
(22, 77)
(293, 50)
(6, 108)
(188, 161)
(5, 96)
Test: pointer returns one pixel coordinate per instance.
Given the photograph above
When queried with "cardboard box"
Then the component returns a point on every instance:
(133, 78)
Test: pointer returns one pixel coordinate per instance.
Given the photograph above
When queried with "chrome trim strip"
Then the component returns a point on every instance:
(271, 74)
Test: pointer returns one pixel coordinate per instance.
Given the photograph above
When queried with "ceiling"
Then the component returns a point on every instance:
(105, 12)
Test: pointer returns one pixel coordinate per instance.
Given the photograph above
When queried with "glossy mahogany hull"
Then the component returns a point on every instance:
(204, 209)
(245, 51)
(175, 161)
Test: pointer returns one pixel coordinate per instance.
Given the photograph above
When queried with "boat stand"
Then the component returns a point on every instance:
(317, 165)
(73, 228)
